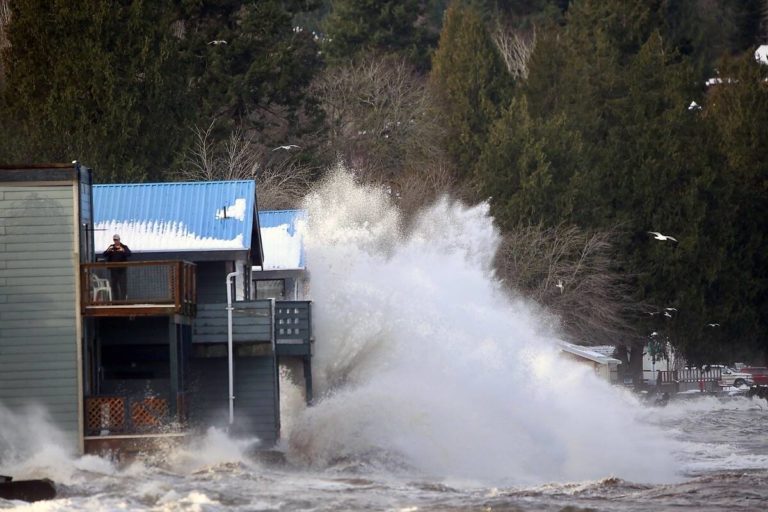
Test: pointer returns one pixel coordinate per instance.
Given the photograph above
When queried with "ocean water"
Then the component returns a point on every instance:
(436, 390)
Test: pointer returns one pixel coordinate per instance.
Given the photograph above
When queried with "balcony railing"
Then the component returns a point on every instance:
(138, 288)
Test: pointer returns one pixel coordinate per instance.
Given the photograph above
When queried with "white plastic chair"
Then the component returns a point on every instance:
(100, 286)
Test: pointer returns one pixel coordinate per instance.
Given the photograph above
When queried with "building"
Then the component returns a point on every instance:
(186, 345)
(283, 277)
(599, 358)
(283, 273)
(45, 237)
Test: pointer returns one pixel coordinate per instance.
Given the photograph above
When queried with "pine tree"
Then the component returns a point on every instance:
(471, 83)
(246, 65)
(356, 27)
(736, 112)
(526, 167)
(643, 163)
(98, 85)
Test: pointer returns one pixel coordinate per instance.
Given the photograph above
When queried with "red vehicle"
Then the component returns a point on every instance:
(759, 374)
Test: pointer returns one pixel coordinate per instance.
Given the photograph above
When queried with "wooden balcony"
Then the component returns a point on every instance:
(142, 288)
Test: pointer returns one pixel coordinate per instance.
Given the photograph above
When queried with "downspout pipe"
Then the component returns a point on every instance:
(230, 358)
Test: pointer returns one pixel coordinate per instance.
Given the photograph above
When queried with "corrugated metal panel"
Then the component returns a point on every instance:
(186, 216)
(281, 232)
(38, 310)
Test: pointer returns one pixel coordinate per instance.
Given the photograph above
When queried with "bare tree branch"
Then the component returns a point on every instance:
(379, 118)
(516, 48)
(573, 273)
(281, 183)
(5, 19)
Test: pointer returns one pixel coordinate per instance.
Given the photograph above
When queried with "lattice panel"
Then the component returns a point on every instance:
(105, 413)
(149, 412)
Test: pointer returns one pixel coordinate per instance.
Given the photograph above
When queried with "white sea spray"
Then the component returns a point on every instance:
(422, 358)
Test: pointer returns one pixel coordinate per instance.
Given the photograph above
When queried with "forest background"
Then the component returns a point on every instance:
(585, 124)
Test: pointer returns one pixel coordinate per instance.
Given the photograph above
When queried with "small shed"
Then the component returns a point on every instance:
(599, 358)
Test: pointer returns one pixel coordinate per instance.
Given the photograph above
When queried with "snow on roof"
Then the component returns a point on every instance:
(170, 217)
(592, 353)
(282, 236)
(761, 54)
(606, 350)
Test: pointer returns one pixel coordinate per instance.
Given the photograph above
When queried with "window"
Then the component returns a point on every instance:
(270, 289)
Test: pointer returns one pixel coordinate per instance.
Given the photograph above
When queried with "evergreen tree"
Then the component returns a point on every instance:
(736, 113)
(99, 85)
(355, 27)
(526, 167)
(246, 65)
(471, 83)
(641, 165)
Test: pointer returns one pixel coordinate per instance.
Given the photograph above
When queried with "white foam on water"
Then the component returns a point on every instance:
(32, 447)
(423, 359)
(211, 449)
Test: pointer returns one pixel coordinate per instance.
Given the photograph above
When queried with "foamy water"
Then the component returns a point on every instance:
(434, 390)
(423, 358)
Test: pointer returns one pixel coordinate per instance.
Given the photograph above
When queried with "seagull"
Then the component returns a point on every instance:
(713, 325)
(217, 42)
(560, 285)
(659, 236)
(287, 148)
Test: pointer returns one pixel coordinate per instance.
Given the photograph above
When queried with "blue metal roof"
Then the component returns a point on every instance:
(182, 216)
(283, 238)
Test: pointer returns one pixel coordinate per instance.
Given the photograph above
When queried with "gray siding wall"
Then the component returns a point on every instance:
(38, 308)
(251, 321)
(255, 390)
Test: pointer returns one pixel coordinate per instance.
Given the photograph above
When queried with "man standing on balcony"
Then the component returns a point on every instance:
(118, 252)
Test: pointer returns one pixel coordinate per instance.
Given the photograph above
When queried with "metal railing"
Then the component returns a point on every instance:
(293, 327)
(689, 375)
(171, 284)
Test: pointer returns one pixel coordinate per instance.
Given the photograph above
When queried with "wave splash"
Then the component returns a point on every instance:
(423, 359)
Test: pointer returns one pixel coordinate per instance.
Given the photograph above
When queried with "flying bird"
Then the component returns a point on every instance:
(654, 333)
(287, 148)
(217, 42)
(667, 314)
(670, 309)
(560, 285)
(659, 236)
(713, 325)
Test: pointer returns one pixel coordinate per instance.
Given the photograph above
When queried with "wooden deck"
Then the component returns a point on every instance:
(141, 288)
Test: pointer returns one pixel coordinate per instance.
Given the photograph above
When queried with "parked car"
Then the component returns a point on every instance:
(731, 377)
(759, 374)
